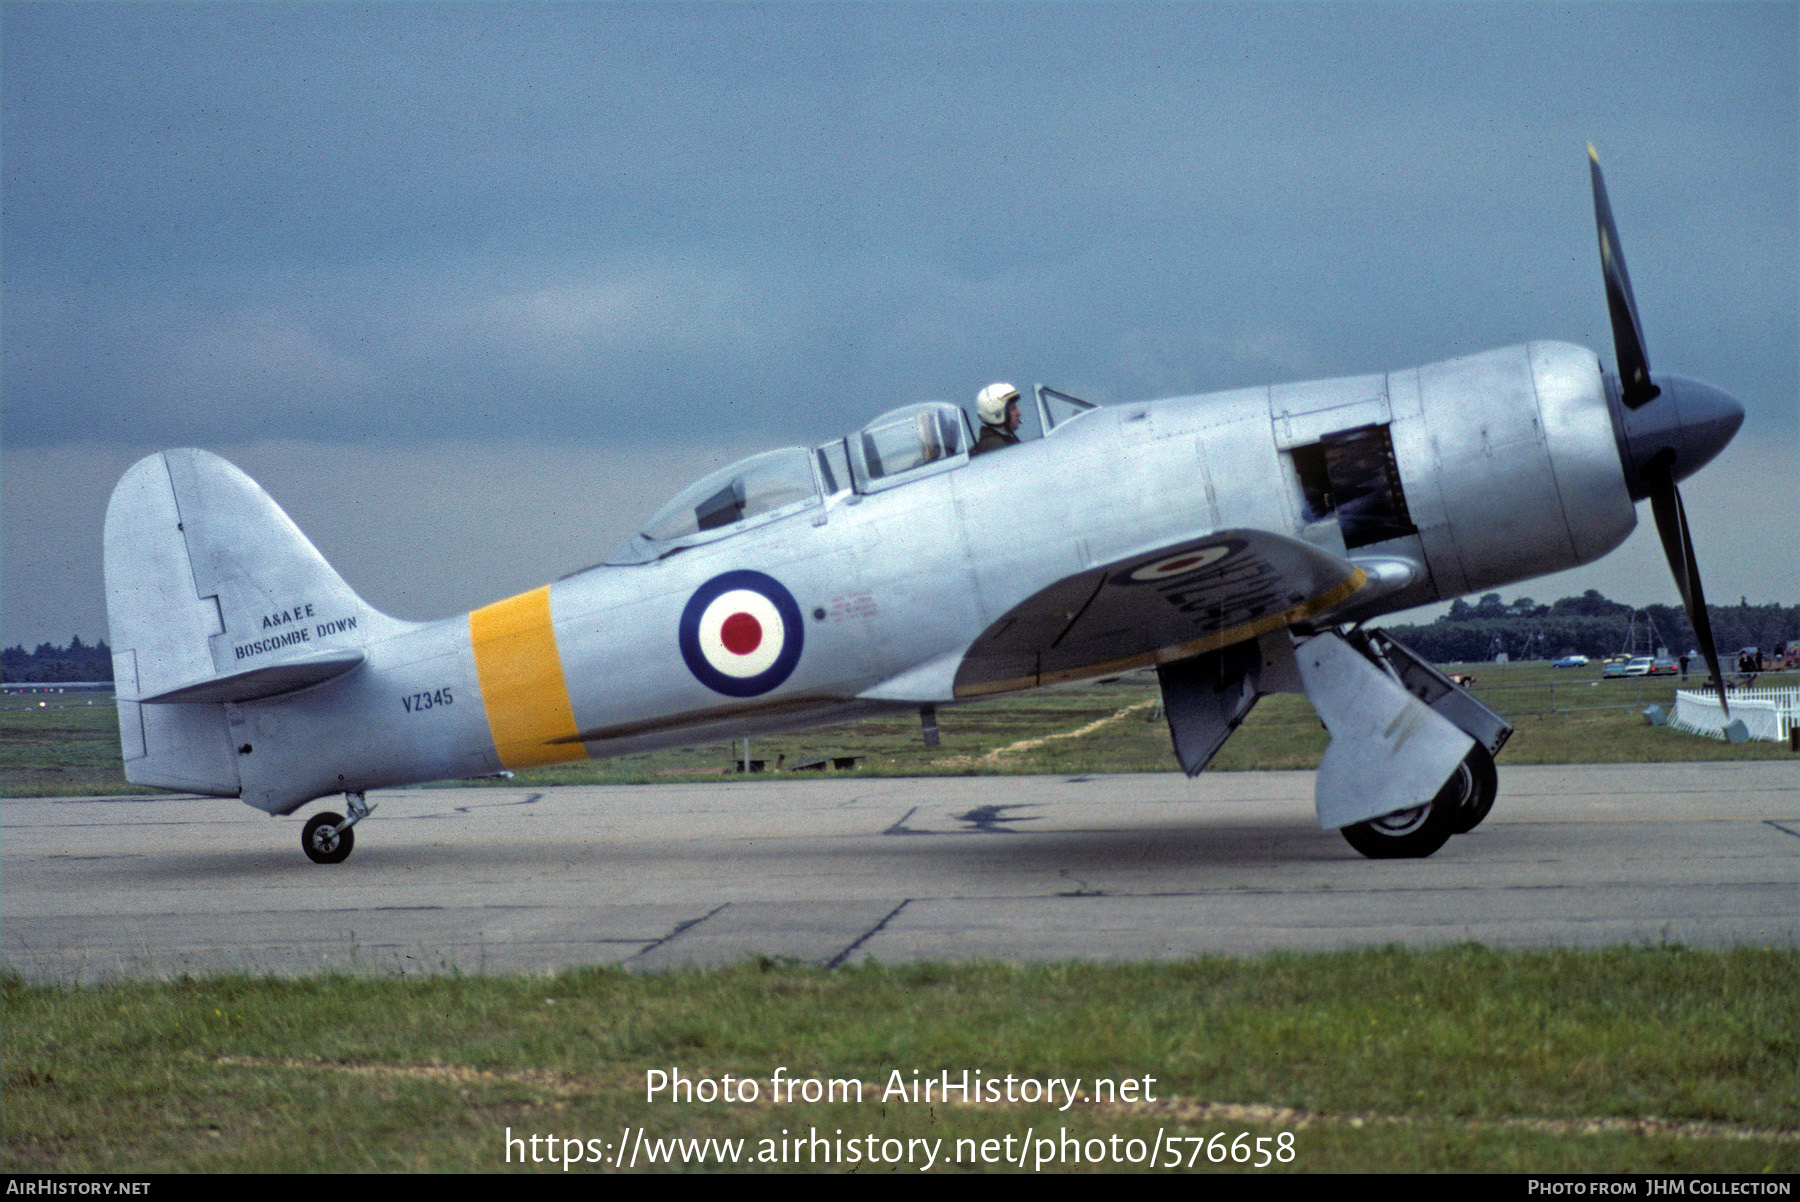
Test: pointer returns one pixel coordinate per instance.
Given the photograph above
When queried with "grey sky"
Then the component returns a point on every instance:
(471, 288)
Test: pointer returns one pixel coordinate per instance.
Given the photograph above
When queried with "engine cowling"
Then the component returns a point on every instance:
(1511, 464)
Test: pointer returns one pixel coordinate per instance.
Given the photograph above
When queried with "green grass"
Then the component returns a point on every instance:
(1650, 1059)
(1562, 717)
(62, 748)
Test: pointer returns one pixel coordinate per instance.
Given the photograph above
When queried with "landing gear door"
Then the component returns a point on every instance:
(1059, 408)
(1442, 694)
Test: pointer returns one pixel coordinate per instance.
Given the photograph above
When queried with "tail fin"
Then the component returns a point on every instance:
(213, 595)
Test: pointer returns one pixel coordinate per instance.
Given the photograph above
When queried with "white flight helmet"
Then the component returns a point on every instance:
(991, 402)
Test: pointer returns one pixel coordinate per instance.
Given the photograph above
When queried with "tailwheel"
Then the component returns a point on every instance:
(326, 840)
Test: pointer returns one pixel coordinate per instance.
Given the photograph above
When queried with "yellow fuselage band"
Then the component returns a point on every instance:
(522, 685)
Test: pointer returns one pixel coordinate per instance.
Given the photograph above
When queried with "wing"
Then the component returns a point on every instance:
(1155, 607)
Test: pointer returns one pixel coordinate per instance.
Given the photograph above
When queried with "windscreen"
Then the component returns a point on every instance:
(749, 488)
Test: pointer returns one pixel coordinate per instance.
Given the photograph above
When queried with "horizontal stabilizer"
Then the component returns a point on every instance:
(254, 684)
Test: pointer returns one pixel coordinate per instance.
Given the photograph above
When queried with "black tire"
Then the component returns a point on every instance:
(1477, 784)
(1408, 834)
(323, 842)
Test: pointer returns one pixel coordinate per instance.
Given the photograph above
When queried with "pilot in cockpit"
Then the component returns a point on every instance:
(998, 407)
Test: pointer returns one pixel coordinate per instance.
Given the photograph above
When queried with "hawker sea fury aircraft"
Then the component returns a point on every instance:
(1237, 543)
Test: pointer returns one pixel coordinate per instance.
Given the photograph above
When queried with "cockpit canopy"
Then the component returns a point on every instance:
(750, 492)
(896, 448)
(905, 441)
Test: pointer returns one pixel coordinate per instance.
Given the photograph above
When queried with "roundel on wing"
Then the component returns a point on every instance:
(1168, 567)
(741, 633)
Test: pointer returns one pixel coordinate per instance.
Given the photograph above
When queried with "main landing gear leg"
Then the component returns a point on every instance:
(328, 837)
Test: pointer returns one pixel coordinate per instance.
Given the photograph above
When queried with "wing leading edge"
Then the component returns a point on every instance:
(1155, 607)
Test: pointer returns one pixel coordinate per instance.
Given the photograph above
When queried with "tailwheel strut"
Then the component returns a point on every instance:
(328, 837)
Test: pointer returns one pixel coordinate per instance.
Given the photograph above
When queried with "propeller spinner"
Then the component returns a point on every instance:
(1668, 427)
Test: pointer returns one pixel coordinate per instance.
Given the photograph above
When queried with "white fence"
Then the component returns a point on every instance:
(1766, 713)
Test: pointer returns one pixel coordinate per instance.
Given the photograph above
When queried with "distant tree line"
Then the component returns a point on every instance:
(77, 661)
(1590, 625)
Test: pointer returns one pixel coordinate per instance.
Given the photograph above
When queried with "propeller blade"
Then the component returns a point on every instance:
(1678, 547)
(1628, 334)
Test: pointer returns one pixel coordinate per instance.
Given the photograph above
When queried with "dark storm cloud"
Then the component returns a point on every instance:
(230, 222)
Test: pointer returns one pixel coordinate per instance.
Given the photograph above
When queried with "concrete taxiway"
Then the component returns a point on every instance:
(830, 871)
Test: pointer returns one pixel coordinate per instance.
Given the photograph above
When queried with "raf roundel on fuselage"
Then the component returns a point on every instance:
(741, 633)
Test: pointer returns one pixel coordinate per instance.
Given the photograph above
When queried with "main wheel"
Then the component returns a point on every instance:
(323, 842)
(1409, 834)
(1477, 784)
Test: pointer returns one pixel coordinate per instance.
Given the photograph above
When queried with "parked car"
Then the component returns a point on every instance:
(1614, 667)
(1571, 661)
(1640, 666)
(1664, 665)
